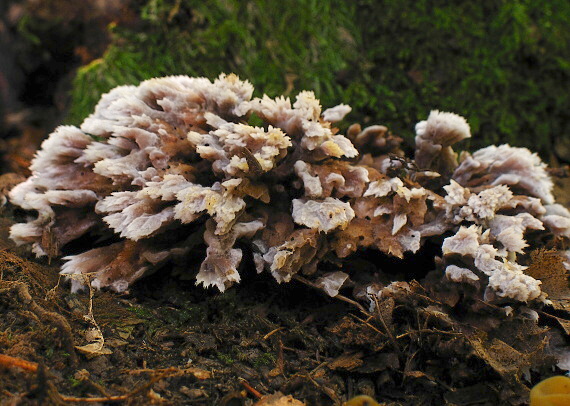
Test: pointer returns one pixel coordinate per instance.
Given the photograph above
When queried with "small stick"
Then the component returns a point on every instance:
(427, 330)
(352, 302)
(266, 336)
(388, 329)
(8, 393)
(120, 398)
(322, 364)
(250, 388)
(280, 363)
(366, 323)
(339, 296)
(198, 373)
(12, 362)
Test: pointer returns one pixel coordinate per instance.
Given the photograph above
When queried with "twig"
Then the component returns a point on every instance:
(388, 329)
(12, 362)
(321, 365)
(121, 398)
(427, 330)
(52, 292)
(339, 296)
(266, 336)
(197, 372)
(250, 388)
(365, 322)
(328, 391)
(8, 393)
(280, 363)
(98, 387)
(352, 302)
(31, 315)
(97, 344)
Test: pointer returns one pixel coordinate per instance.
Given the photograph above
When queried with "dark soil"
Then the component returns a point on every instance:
(182, 344)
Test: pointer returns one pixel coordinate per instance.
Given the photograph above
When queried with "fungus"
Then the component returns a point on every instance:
(332, 282)
(505, 278)
(552, 391)
(325, 215)
(434, 138)
(165, 168)
(557, 219)
(518, 168)
(176, 152)
(457, 274)
(336, 113)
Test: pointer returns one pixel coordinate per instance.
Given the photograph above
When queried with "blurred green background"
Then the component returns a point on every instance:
(504, 65)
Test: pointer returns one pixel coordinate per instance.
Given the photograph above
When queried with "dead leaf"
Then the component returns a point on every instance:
(548, 267)
(115, 342)
(561, 304)
(199, 373)
(500, 356)
(347, 361)
(278, 399)
(563, 323)
(96, 346)
(93, 350)
(480, 393)
(379, 362)
(125, 331)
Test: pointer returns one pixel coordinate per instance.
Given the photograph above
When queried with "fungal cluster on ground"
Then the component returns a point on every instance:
(182, 169)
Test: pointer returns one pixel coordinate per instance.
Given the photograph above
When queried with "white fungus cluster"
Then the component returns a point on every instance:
(175, 168)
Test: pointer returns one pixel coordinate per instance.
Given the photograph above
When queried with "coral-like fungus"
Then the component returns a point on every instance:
(162, 169)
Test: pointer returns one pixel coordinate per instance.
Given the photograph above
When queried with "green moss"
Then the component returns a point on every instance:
(266, 359)
(188, 314)
(74, 382)
(142, 312)
(225, 358)
(500, 64)
(504, 65)
(276, 45)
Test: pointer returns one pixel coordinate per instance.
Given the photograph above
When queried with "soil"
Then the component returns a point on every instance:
(170, 342)
(167, 341)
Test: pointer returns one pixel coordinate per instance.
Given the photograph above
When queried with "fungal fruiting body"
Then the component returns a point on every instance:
(179, 167)
(553, 391)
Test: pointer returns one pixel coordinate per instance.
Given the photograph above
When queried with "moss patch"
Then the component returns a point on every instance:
(502, 65)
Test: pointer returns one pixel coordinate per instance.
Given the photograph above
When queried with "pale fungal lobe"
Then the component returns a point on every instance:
(332, 282)
(505, 165)
(506, 278)
(325, 215)
(336, 113)
(434, 138)
(458, 274)
(168, 152)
